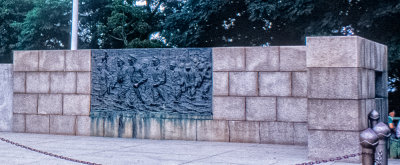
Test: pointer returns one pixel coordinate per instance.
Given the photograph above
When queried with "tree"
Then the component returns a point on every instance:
(10, 12)
(46, 26)
(208, 23)
(92, 13)
(200, 23)
(121, 24)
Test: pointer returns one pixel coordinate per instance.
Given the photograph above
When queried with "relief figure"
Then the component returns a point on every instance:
(158, 78)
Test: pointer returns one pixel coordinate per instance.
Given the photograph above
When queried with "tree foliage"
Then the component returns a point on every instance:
(10, 12)
(208, 23)
(127, 27)
(44, 24)
(283, 22)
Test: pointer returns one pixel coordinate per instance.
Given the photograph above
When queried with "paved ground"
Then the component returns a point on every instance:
(117, 151)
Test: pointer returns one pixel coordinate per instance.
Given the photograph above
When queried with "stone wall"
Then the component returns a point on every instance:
(345, 76)
(317, 95)
(6, 97)
(52, 92)
(260, 95)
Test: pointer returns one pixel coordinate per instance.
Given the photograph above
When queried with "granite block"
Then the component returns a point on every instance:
(334, 114)
(76, 104)
(96, 126)
(82, 125)
(277, 132)
(63, 125)
(50, 104)
(328, 144)
(63, 82)
(334, 51)
(300, 133)
(228, 59)
(6, 97)
(228, 108)
(363, 120)
(25, 103)
(380, 57)
(334, 83)
(213, 130)
(126, 127)
(261, 108)
(220, 83)
(111, 125)
(363, 86)
(373, 55)
(371, 84)
(26, 60)
(244, 131)
(291, 109)
(364, 52)
(37, 82)
(274, 84)
(78, 60)
(19, 82)
(148, 128)
(243, 84)
(262, 58)
(51, 60)
(368, 53)
(37, 124)
(83, 84)
(299, 84)
(18, 123)
(179, 129)
(292, 58)
(385, 59)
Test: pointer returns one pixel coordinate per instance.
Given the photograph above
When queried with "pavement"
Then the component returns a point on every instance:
(121, 151)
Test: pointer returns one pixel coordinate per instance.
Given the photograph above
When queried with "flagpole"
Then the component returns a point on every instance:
(74, 36)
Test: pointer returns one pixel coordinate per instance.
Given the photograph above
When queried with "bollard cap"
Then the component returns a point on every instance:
(382, 130)
(368, 138)
(374, 115)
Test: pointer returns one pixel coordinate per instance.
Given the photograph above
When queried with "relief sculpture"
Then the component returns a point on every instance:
(165, 81)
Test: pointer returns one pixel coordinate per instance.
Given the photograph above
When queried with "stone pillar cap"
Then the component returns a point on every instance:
(374, 115)
(382, 130)
(368, 138)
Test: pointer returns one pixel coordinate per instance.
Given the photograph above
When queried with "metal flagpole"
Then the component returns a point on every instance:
(74, 36)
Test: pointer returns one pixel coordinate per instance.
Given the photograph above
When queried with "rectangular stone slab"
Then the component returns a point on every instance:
(331, 144)
(335, 83)
(6, 97)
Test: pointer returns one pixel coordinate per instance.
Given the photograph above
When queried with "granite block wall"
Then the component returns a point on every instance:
(52, 92)
(345, 76)
(261, 94)
(317, 95)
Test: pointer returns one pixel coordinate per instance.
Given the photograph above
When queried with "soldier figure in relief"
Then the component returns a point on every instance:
(120, 84)
(157, 79)
(176, 81)
(137, 78)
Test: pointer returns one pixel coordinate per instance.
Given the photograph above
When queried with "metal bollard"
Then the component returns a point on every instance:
(373, 118)
(369, 140)
(381, 153)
